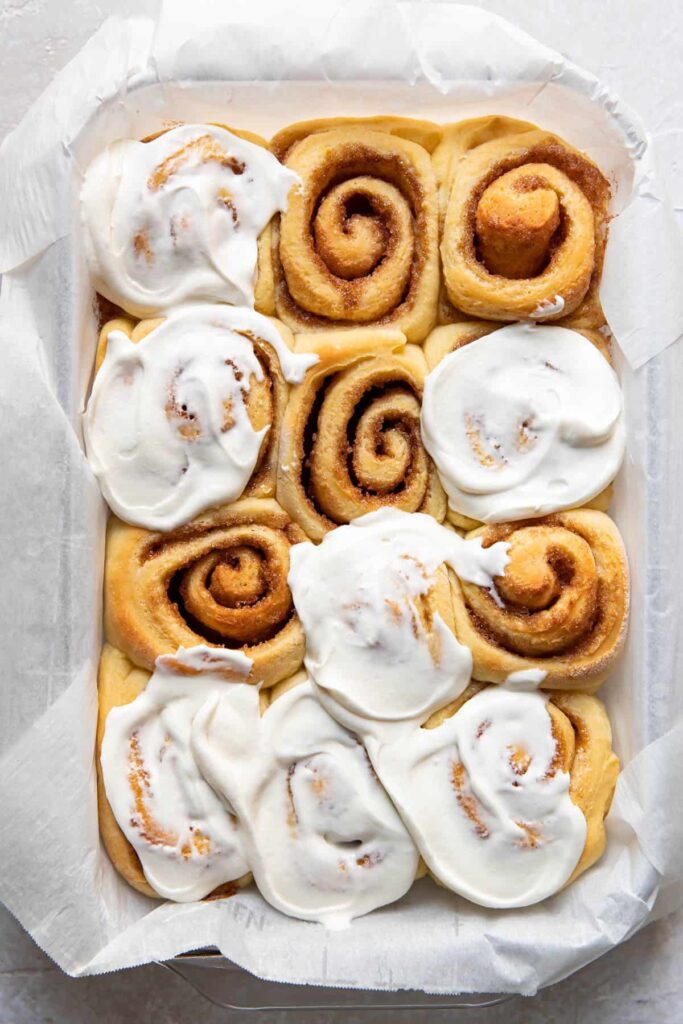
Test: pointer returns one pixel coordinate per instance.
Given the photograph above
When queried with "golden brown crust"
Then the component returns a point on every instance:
(594, 769)
(422, 133)
(358, 243)
(524, 217)
(219, 580)
(120, 682)
(350, 440)
(565, 596)
(241, 133)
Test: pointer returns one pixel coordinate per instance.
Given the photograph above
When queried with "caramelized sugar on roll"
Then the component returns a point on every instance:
(524, 224)
(358, 242)
(220, 580)
(562, 602)
(350, 440)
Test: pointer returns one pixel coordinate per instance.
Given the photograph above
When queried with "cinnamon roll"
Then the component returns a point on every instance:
(521, 421)
(358, 243)
(524, 224)
(185, 412)
(350, 439)
(221, 580)
(377, 612)
(560, 606)
(165, 829)
(323, 839)
(178, 217)
(506, 798)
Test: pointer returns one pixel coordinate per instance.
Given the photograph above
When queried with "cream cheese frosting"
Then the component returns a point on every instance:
(373, 647)
(523, 422)
(167, 428)
(187, 841)
(482, 793)
(323, 840)
(178, 217)
(485, 799)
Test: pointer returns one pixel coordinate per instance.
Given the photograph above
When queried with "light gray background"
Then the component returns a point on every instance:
(635, 46)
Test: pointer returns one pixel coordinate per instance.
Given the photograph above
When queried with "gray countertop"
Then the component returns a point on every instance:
(634, 45)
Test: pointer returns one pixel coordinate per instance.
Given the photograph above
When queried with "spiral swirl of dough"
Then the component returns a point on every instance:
(524, 224)
(350, 440)
(221, 580)
(358, 242)
(561, 604)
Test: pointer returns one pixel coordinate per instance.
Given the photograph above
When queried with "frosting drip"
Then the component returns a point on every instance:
(178, 218)
(523, 422)
(168, 427)
(187, 841)
(323, 839)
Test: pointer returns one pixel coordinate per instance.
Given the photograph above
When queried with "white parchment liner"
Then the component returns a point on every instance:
(260, 66)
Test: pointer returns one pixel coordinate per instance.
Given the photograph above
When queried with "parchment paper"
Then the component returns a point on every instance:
(261, 65)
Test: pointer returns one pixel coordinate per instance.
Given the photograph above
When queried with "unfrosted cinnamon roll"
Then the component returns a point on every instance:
(358, 242)
(165, 830)
(220, 580)
(521, 420)
(560, 606)
(178, 217)
(350, 439)
(524, 224)
(185, 412)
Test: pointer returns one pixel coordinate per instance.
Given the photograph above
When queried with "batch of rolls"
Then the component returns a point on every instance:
(355, 417)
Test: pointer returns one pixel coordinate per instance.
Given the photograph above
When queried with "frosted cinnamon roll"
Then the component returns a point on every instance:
(524, 224)
(323, 839)
(376, 608)
(185, 412)
(506, 797)
(350, 440)
(178, 217)
(221, 580)
(358, 243)
(560, 606)
(166, 830)
(520, 421)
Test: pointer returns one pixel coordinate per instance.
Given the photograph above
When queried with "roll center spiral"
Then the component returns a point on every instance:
(222, 590)
(516, 220)
(549, 590)
(359, 223)
(367, 449)
(237, 579)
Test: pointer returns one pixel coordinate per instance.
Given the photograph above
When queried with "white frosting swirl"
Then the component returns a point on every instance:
(372, 650)
(486, 800)
(323, 839)
(523, 422)
(178, 218)
(167, 430)
(187, 841)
